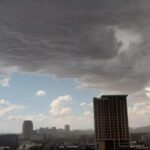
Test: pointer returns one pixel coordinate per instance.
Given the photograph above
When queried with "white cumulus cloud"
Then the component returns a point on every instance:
(5, 82)
(58, 107)
(4, 102)
(41, 93)
(83, 104)
(6, 107)
(86, 105)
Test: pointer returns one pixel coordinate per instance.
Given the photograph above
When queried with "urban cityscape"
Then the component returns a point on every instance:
(74, 74)
(111, 132)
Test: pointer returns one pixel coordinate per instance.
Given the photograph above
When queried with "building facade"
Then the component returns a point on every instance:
(111, 122)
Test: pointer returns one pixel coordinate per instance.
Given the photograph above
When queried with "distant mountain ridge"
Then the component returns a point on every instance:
(145, 129)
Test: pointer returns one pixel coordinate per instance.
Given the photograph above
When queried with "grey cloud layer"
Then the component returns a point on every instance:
(77, 39)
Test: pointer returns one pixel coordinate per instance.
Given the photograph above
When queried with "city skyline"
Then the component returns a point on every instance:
(55, 56)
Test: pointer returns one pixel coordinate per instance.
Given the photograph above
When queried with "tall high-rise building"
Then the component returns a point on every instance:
(111, 122)
(27, 129)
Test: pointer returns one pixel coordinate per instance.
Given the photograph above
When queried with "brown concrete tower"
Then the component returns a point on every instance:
(111, 122)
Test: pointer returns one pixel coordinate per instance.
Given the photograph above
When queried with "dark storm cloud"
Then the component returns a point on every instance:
(77, 39)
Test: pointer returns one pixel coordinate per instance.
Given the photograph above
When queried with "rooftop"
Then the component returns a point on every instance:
(108, 96)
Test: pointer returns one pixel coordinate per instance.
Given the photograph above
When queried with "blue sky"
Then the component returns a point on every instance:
(22, 90)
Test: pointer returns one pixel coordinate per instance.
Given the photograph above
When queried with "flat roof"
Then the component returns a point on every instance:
(121, 95)
(106, 96)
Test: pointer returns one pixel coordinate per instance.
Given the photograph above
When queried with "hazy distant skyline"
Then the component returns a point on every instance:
(55, 55)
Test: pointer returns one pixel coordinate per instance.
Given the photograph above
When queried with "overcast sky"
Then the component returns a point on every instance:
(55, 55)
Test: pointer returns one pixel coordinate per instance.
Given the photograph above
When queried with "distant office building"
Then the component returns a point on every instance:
(146, 139)
(27, 129)
(111, 122)
(67, 128)
(10, 140)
